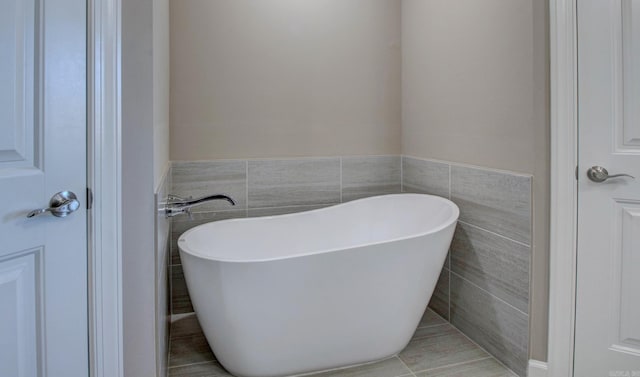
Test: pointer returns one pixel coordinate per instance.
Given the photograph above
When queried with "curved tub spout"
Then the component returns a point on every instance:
(176, 205)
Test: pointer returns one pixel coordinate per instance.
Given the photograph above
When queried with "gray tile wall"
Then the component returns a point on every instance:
(271, 187)
(483, 289)
(484, 286)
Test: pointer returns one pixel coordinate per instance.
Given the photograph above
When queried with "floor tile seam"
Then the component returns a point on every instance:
(187, 336)
(491, 356)
(197, 363)
(456, 364)
(490, 294)
(495, 234)
(411, 373)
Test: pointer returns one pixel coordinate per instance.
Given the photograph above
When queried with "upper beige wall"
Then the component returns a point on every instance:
(469, 84)
(160, 90)
(277, 78)
(475, 91)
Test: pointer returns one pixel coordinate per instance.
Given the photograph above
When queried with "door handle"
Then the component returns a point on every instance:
(61, 204)
(599, 174)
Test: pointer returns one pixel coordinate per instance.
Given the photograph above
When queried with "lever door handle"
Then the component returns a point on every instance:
(61, 204)
(599, 174)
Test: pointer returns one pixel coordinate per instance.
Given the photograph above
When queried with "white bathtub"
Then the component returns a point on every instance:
(317, 290)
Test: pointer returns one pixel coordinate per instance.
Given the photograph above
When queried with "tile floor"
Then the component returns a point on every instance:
(437, 349)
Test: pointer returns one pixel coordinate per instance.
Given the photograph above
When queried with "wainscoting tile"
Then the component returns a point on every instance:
(259, 212)
(425, 177)
(496, 201)
(431, 318)
(200, 178)
(369, 176)
(440, 299)
(392, 367)
(495, 264)
(480, 368)
(444, 347)
(207, 369)
(280, 183)
(499, 328)
(182, 223)
(189, 350)
(429, 331)
(180, 300)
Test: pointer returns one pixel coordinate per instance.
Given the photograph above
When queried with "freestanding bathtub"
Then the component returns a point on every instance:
(317, 290)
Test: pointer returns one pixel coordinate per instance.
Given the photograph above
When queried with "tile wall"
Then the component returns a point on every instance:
(271, 187)
(484, 287)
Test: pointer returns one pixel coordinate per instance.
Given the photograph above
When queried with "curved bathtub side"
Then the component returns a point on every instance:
(316, 312)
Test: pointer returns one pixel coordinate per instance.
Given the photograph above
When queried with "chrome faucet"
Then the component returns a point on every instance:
(175, 205)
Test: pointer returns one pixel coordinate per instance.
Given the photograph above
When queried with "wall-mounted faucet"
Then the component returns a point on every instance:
(175, 205)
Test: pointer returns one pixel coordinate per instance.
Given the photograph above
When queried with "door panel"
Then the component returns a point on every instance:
(608, 267)
(43, 260)
(17, 38)
(20, 295)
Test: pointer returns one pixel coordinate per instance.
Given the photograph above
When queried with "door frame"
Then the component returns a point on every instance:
(104, 179)
(564, 186)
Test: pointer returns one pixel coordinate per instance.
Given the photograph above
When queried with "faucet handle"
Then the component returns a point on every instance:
(176, 198)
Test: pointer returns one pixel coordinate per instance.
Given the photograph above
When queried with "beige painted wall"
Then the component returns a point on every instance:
(462, 81)
(284, 78)
(160, 89)
(475, 90)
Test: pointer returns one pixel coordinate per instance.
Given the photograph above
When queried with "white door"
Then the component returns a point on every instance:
(608, 283)
(43, 260)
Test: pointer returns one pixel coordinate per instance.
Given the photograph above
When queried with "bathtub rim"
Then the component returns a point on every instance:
(445, 224)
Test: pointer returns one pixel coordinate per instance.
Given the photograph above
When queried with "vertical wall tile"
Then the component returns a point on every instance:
(180, 300)
(309, 181)
(499, 328)
(200, 178)
(425, 177)
(369, 176)
(495, 264)
(440, 299)
(496, 201)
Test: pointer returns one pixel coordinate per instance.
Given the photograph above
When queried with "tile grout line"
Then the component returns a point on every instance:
(489, 293)
(495, 234)
(449, 181)
(341, 185)
(246, 188)
(190, 364)
(439, 324)
(460, 363)
(401, 174)
(406, 366)
(491, 356)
